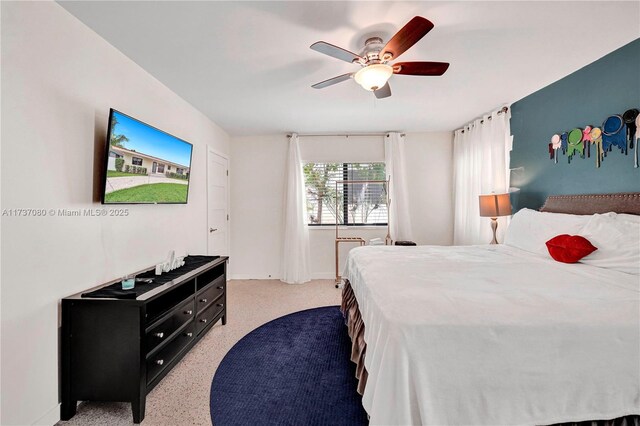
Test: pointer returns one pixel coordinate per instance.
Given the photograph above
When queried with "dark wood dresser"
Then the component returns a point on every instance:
(118, 349)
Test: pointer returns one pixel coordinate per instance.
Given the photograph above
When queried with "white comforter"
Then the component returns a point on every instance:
(493, 335)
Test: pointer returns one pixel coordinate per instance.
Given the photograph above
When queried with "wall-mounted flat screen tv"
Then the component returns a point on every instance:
(144, 165)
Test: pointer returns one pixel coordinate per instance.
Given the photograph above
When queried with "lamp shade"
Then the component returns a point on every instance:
(495, 205)
(373, 77)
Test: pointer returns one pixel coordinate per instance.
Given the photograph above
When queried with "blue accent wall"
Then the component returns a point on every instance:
(611, 85)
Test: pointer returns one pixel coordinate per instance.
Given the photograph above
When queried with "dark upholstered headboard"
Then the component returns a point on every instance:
(628, 202)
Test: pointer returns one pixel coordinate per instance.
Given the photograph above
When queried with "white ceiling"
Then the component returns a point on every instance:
(248, 66)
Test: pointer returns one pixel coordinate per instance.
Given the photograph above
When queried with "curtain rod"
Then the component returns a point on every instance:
(502, 111)
(343, 135)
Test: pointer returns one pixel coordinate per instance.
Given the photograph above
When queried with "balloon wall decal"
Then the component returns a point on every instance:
(596, 139)
(619, 132)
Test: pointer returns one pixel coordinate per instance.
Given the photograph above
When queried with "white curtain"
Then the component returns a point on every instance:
(399, 218)
(481, 166)
(295, 257)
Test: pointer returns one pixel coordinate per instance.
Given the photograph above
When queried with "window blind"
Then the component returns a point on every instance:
(331, 201)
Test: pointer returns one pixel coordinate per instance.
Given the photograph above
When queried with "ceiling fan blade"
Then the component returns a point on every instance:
(420, 68)
(383, 92)
(335, 51)
(332, 81)
(408, 35)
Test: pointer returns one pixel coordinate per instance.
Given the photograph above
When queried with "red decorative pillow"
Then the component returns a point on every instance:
(569, 248)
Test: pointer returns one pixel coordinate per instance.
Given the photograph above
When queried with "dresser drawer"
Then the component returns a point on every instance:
(205, 318)
(162, 330)
(209, 294)
(162, 359)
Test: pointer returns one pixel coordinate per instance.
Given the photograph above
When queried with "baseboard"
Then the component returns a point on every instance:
(252, 277)
(314, 276)
(50, 418)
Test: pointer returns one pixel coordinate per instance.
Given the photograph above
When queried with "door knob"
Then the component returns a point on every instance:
(213, 229)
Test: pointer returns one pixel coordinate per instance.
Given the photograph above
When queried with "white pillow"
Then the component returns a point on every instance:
(530, 229)
(617, 238)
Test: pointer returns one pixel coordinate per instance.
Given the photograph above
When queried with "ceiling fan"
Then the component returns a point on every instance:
(375, 57)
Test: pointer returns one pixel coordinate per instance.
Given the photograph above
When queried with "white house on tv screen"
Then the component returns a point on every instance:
(153, 165)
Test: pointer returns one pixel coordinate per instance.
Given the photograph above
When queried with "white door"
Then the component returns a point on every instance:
(217, 203)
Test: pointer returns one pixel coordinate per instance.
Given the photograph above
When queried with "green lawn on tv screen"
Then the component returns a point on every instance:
(150, 193)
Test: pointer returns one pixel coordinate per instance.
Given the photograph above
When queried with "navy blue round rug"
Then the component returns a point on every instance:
(294, 370)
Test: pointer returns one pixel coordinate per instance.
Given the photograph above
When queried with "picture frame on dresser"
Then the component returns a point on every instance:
(117, 346)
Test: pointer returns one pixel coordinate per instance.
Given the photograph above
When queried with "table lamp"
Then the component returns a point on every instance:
(494, 206)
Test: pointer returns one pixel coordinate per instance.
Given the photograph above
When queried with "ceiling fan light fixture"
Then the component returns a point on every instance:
(374, 76)
(374, 58)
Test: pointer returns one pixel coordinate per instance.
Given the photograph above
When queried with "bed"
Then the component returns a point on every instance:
(494, 335)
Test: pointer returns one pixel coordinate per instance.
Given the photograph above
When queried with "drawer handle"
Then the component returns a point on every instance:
(159, 361)
(203, 320)
(220, 287)
(159, 335)
(220, 305)
(188, 312)
(203, 300)
(189, 334)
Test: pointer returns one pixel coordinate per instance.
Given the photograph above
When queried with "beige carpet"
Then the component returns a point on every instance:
(182, 398)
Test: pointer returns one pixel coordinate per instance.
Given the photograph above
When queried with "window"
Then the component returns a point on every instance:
(136, 161)
(168, 167)
(328, 199)
(160, 168)
(179, 171)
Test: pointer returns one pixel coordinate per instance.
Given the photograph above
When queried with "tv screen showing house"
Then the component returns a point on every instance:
(144, 165)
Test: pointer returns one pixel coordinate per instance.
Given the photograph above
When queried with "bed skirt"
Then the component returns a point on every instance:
(355, 328)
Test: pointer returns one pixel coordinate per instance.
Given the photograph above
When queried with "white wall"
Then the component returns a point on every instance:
(429, 162)
(259, 164)
(59, 80)
(257, 205)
